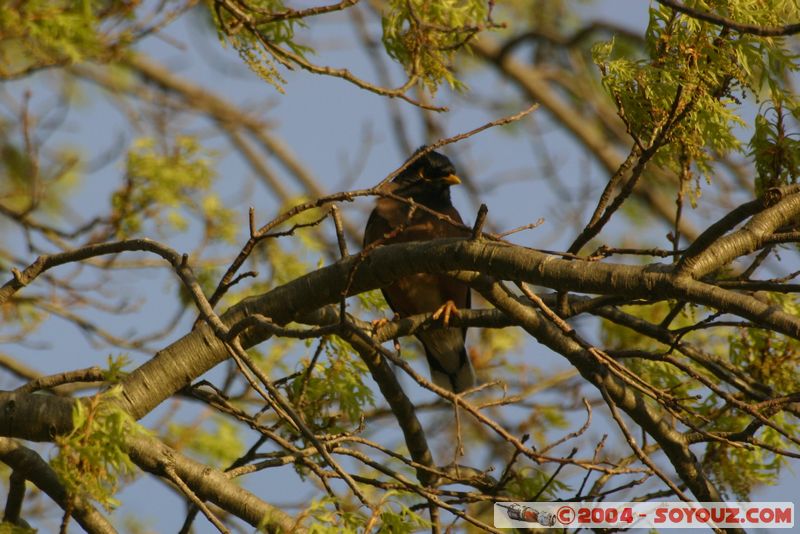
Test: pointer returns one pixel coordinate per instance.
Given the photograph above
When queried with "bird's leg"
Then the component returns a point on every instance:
(445, 310)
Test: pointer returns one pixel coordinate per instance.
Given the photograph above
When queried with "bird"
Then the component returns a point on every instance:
(426, 181)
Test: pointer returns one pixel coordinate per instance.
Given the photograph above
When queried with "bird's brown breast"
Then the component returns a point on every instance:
(419, 293)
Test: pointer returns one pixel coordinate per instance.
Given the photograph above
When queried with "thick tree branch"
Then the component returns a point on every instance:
(713, 249)
(177, 365)
(31, 466)
(208, 484)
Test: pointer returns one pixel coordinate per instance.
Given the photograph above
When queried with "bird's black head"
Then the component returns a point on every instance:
(428, 180)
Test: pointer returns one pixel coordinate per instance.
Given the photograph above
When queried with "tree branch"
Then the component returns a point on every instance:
(208, 484)
(30, 465)
(671, 441)
(754, 29)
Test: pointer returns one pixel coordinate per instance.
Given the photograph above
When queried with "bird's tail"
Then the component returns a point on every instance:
(450, 365)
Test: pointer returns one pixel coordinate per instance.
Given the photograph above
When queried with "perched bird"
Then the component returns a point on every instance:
(427, 181)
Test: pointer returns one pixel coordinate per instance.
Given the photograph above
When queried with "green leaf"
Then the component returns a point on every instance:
(424, 36)
(91, 460)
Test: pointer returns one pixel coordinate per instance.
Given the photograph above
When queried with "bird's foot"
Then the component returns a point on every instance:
(378, 323)
(445, 311)
(383, 321)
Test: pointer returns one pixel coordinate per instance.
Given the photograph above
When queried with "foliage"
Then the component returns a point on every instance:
(741, 468)
(775, 150)
(91, 459)
(219, 443)
(424, 36)
(682, 95)
(392, 516)
(332, 394)
(54, 181)
(530, 481)
(768, 357)
(8, 528)
(372, 300)
(115, 370)
(258, 40)
(328, 520)
(42, 33)
(163, 180)
(494, 348)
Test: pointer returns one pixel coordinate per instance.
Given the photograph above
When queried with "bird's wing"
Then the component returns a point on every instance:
(426, 293)
(377, 227)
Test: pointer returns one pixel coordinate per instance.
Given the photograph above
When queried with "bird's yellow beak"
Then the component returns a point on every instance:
(451, 179)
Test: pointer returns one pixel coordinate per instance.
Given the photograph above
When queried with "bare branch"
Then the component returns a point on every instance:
(90, 374)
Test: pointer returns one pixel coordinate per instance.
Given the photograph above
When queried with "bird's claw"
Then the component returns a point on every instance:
(445, 310)
(378, 323)
(383, 321)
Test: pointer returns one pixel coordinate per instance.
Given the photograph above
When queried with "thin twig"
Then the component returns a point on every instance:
(480, 219)
(186, 490)
(522, 228)
(340, 238)
(636, 449)
(90, 374)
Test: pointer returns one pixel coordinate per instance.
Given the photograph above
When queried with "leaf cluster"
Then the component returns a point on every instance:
(41, 33)
(332, 395)
(741, 469)
(255, 38)
(681, 97)
(424, 36)
(91, 459)
(775, 150)
(769, 358)
(162, 181)
(219, 442)
(392, 516)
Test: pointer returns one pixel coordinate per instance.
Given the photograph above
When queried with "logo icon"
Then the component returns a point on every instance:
(565, 515)
(518, 512)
